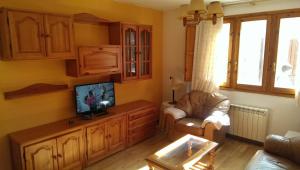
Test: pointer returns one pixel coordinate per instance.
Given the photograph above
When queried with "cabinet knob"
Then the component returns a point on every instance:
(59, 155)
(54, 157)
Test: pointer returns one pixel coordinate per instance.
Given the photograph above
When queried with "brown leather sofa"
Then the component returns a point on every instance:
(201, 114)
(279, 153)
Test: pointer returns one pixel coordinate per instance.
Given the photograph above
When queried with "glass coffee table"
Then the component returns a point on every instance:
(184, 153)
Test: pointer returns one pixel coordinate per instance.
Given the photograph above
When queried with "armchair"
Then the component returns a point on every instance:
(201, 114)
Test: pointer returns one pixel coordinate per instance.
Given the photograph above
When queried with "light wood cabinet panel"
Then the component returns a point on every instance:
(70, 151)
(117, 133)
(26, 32)
(97, 60)
(189, 52)
(97, 145)
(59, 36)
(41, 156)
(141, 125)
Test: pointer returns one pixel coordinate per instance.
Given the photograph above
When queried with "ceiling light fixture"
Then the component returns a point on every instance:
(197, 11)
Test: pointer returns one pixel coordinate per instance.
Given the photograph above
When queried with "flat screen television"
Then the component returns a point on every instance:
(94, 99)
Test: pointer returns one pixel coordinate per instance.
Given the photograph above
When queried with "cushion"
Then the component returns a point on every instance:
(190, 126)
(263, 160)
(184, 104)
(191, 122)
(198, 102)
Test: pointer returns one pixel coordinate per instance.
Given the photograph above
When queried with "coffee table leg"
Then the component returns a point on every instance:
(212, 155)
(150, 166)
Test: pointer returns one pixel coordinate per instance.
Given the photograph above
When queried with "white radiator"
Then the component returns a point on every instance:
(248, 122)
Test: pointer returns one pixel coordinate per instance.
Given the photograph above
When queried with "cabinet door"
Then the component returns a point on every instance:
(189, 52)
(145, 51)
(41, 156)
(97, 145)
(59, 36)
(102, 59)
(70, 150)
(27, 35)
(116, 130)
(130, 52)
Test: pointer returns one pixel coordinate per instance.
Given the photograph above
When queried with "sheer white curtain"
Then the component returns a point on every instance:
(297, 82)
(204, 67)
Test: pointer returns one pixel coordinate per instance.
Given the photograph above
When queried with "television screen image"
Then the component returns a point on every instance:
(94, 98)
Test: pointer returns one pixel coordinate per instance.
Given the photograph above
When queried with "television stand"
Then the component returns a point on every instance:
(91, 140)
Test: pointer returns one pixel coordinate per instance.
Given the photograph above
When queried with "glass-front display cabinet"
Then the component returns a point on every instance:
(137, 52)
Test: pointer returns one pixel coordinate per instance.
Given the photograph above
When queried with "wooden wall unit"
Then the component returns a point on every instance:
(189, 52)
(75, 143)
(27, 35)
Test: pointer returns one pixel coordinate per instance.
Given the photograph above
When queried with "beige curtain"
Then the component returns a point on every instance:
(297, 80)
(204, 71)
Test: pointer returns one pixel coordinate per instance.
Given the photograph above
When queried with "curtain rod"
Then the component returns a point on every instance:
(251, 2)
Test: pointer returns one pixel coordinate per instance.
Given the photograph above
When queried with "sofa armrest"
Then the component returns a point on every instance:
(175, 113)
(278, 145)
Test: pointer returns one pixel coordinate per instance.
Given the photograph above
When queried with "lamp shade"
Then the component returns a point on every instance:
(197, 6)
(175, 83)
(183, 11)
(215, 8)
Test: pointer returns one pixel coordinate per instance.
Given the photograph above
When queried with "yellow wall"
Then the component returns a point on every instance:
(36, 110)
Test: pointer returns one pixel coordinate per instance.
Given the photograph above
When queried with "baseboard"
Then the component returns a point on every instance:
(244, 139)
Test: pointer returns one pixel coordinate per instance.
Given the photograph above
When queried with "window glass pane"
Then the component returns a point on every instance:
(251, 52)
(288, 52)
(222, 54)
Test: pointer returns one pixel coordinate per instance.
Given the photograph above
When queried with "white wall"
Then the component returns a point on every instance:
(284, 113)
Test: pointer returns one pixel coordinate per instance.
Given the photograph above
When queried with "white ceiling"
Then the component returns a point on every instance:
(166, 4)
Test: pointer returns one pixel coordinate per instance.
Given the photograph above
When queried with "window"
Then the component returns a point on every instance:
(263, 52)
(251, 52)
(287, 53)
(223, 54)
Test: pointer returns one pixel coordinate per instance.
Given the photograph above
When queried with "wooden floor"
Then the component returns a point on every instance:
(233, 155)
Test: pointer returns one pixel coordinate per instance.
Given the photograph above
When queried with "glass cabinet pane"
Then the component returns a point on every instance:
(133, 69)
(145, 43)
(130, 52)
(132, 37)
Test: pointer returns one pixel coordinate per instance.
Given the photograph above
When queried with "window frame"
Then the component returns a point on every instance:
(227, 84)
(270, 53)
(273, 58)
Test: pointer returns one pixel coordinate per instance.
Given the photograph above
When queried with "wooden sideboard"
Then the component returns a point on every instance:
(75, 143)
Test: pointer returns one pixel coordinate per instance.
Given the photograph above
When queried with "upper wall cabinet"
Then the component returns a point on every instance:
(30, 35)
(97, 60)
(59, 36)
(136, 42)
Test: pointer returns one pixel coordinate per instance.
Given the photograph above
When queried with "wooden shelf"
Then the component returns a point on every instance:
(89, 18)
(34, 89)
